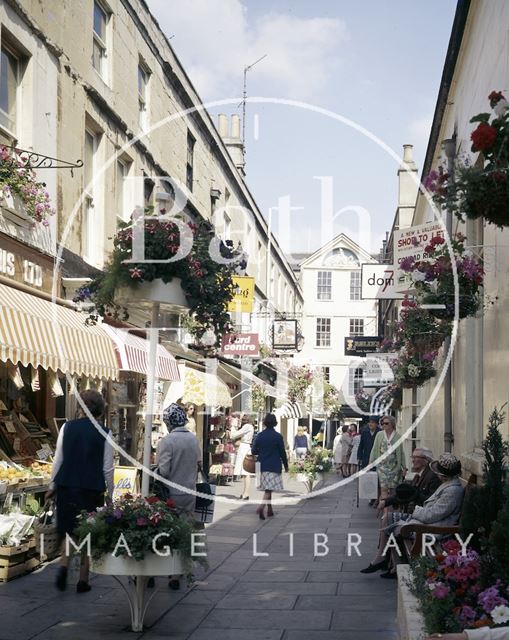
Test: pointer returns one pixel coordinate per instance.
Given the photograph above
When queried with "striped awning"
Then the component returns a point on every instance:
(244, 376)
(289, 410)
(203, 388)
(42, 333)
(133, 354)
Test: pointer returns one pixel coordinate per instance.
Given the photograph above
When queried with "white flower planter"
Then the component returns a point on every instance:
(14, 209)
(310, 482)
(170, 295)
(138, 573)
(151, 565)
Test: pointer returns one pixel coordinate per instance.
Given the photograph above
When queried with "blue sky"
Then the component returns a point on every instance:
(377, 63)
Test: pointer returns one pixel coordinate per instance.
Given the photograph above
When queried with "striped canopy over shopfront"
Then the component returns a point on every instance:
(133, 354)
(43, 334)
(290, 410)
(203, 388)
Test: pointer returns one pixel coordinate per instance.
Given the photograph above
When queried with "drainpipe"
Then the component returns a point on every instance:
(449, 147)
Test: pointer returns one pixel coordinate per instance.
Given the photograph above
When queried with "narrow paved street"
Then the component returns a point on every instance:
(274, 597)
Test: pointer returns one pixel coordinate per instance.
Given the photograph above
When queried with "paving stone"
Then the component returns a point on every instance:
(287, 588)
(182, 618)
(263, 601)
(382, 602)
(364, 621)
(377, 586)
(251, 619)
(343, 635)
(233, 634)
(278, 575)
(203, 597)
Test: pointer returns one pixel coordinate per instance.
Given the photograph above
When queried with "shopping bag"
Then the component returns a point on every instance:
(368, 486)
(204, 508)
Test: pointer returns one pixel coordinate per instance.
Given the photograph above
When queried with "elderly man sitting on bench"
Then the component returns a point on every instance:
(442, 508)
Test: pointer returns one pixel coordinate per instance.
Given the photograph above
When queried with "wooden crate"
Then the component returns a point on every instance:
(17, 560)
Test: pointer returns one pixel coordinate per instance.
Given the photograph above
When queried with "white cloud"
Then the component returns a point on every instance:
(215, 39)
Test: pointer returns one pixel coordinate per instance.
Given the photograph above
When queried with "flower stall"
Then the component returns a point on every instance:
(480, 189)
(139, 538)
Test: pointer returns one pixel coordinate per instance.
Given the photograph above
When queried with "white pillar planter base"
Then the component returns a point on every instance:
(310, 482)
(410, 620)
(138, 573)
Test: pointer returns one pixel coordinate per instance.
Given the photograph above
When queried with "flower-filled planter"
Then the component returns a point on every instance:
(433, 278)
(18, 184)
(479, 191)
(420, 331)
(129, 531)
(195, 268)
(299, 381)
(310, 469)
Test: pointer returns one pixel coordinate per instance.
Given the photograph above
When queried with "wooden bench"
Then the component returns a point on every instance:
(414, 544)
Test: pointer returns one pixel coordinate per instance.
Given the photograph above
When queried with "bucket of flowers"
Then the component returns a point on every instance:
(138, 536)
(453, 594)
(480, 189)
(420, 330)
(433, 278)
(310, 470)
(189, 264)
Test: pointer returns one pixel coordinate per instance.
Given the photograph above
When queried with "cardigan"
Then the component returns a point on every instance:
(376, 452)
(269, 446)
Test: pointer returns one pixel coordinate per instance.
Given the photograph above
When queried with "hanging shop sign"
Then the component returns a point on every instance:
(378, 282)
(361, 345)
(22, 264)
(411, 243)
(284, 334)
(243, 299)
(241, 344)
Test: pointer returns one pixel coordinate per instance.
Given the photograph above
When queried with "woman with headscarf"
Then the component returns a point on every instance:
(269, 446)
(178, 459)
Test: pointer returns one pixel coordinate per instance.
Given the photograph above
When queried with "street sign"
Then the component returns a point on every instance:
(242, 301)
(362, 345)
(378, 283)
(240, 344)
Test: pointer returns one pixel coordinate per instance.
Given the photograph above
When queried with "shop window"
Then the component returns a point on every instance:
(355, 381)
(323, 331)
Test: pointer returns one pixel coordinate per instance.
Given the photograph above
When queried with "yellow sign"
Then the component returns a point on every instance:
(124, 481)
(243, 299)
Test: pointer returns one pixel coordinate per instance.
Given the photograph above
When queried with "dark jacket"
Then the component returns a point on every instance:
(425, 486)
(269, 446)
(300, 442)
(365, 446)
(83, 456)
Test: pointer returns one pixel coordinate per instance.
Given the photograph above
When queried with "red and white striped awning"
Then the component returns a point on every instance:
(44, 334)
(133, 354)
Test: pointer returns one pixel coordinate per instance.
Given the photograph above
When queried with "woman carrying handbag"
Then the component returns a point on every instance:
(245, 435)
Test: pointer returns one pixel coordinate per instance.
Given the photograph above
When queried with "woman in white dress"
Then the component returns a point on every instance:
(336, 450)
(356, 440)
(245, 434)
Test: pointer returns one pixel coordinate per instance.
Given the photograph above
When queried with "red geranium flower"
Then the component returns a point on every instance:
(171, 504)
(494, 97)
(483, 137)
(152, 499)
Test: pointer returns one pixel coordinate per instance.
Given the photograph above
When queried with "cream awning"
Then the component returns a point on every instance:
(203, 388)
(42, 333)
(241, 375)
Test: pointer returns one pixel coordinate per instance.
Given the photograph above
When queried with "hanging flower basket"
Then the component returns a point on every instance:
(426, 342)
(413, 370)
(479, 191)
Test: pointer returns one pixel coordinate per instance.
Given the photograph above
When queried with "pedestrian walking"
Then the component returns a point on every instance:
(353, 462)
(391, 470)
(241, 428)
(269, 446)
(178, 460)
(301, 443)
(82, 472)
(191, 422)
(343, 448)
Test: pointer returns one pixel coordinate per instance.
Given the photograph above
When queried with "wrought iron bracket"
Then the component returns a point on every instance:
(39, 161)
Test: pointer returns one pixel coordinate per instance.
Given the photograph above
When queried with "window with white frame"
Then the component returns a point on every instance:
(90, 245)
(10, 75)
(190, 161)
(323, 327)
(99, 46)
(326, 373)
(121, 191)
(324, 285)
(356, 326)
(355, 380)
(355, 285)
(143, 79)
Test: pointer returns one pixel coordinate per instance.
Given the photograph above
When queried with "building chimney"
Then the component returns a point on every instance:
(223, 125)
(232, 140)
(408, 187)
